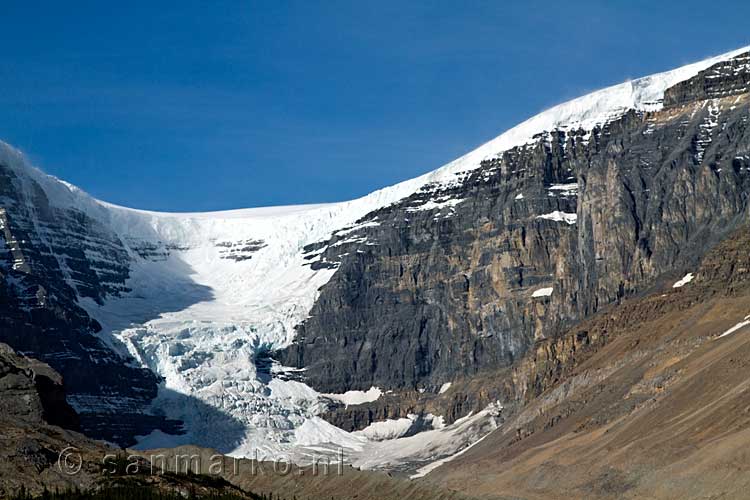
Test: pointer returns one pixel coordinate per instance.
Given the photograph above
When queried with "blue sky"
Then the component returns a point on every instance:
(213, 105)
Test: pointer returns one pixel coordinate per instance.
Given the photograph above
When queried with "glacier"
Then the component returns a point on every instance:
(210, 294)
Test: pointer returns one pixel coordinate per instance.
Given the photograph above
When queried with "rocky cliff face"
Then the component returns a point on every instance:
(37, 424)
(49, 259)
(724, 79)
(645, 399)
(465, 274)
(31, 391)
(460, 278)
(723, 273)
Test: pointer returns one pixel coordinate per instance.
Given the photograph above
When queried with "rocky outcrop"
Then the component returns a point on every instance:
(32, 406)
(32, 391)
(724, 271)
(458, 281)
(642, 400)
(423, 293)
(462, 278)
(239, 250)
(724, 79)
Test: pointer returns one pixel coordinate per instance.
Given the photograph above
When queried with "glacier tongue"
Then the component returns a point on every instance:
(202, 321)
(212, 293)
(204, 324)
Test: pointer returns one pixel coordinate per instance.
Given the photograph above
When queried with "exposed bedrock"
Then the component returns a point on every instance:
(50, 258)
(456, 280)
(731, 77)
(32, 392)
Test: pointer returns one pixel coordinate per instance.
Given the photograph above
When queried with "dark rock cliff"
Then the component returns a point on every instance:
(724, 79)
(452, 282)
(442, 284)
(49, 257)
(32, 391)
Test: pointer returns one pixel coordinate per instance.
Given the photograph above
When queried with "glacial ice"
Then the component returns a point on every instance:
(202, 321)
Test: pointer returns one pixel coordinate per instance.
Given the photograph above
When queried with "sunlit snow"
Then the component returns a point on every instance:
(357, 397)
(202, 321)
(445, 387)
(558, 216)
(683, 281)
(738, 326)
(543, 292)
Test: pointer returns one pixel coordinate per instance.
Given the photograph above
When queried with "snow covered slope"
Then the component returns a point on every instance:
(211, 294)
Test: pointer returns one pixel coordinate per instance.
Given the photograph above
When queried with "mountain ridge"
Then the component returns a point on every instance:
(643, 93)
(440, 272)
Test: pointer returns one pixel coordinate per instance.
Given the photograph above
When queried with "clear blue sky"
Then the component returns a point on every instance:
(213, 105)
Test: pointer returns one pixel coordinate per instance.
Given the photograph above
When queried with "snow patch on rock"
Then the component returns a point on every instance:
(558, 216)
(350, 398)
(683, 281)
(543, 292)
(738, 326)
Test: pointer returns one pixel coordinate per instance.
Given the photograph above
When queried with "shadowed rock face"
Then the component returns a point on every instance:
(442, 284)
(32, 406)
(33, 392)
(447, 283)
(43, 250)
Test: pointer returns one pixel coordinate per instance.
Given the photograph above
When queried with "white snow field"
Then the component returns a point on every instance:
(199, 320)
